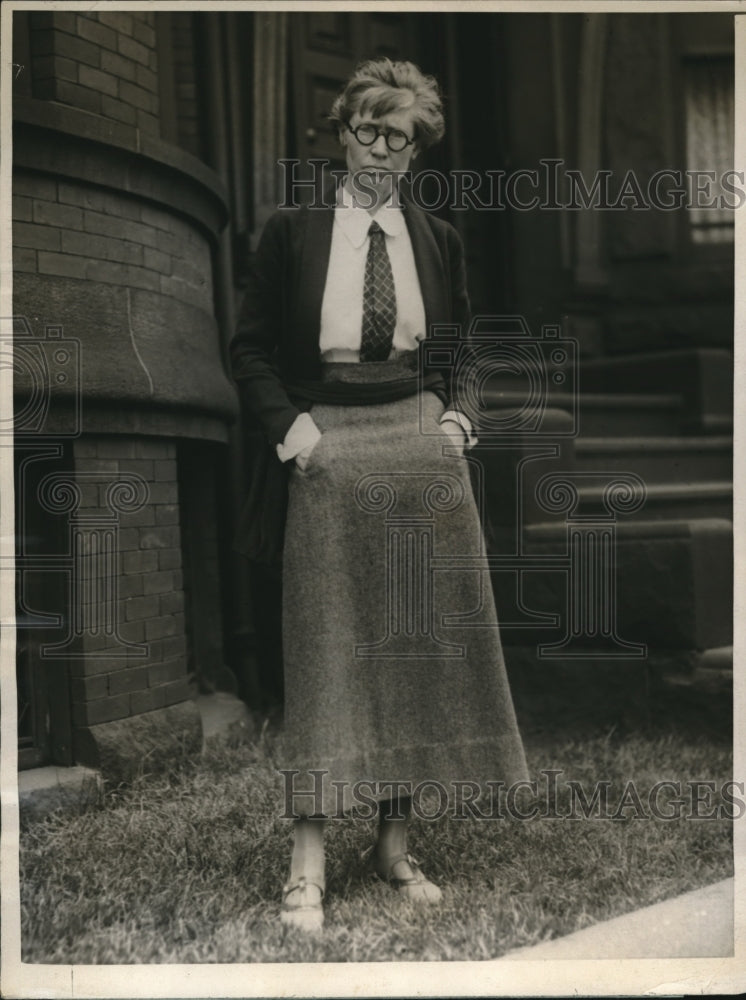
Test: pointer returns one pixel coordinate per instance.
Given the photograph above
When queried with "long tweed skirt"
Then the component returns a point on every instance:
(394, 672)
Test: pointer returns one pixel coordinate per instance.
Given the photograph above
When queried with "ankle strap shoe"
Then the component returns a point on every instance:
(409, 881)
(301, 905)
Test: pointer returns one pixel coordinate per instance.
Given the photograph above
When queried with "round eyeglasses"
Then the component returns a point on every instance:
(367, 133)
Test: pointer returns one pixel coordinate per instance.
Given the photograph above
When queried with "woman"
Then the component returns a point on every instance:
(393, 668)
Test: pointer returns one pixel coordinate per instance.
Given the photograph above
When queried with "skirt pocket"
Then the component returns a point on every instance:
(316, 459)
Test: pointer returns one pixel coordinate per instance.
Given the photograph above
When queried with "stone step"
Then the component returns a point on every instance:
(702, 376)
(672, 501)
(696, 691)
(705, 679)
(592, 692)
(618, 414)
(600, 413)
(685, 460)
(663, 501)
(672, 587)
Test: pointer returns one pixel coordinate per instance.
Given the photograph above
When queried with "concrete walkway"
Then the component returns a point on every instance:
(698, 924)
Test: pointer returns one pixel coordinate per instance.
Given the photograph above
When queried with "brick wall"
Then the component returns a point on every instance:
(186, 93)
(150, 604)
(104, 63)
(71, 230)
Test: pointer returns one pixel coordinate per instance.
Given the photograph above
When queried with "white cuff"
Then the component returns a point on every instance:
(303, 434)
(464, 423)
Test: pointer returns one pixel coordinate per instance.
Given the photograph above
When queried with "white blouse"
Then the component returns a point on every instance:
(342, 304)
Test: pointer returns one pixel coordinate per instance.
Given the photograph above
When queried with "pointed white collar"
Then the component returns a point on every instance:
(355, 221)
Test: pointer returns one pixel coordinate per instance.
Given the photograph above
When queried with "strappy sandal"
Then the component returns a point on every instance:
(416, 888)
(299, 911)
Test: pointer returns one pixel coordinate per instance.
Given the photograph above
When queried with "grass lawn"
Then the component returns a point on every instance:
(188, 867)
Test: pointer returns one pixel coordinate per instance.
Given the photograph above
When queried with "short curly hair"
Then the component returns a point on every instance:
(379, 87)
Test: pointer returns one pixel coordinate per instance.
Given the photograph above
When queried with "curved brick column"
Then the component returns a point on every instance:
(114, 236)
(113, 244)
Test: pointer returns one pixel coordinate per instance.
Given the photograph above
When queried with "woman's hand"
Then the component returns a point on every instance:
(455, 432)
(300, 441)
(301, 459)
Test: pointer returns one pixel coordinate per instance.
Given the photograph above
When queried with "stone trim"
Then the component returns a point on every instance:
(117, 156)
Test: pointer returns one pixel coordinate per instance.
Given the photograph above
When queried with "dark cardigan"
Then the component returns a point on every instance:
(275, 352)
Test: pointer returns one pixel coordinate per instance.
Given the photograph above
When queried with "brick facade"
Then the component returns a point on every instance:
(103, 63)
(73, 230)
(149, 610)
(186, 96)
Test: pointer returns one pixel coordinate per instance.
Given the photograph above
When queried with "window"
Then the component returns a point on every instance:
(709, 109)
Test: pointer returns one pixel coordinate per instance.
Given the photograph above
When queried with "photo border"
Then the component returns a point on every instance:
(599, 977)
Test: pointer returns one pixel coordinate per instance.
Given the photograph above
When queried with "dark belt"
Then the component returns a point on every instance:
(363, 393)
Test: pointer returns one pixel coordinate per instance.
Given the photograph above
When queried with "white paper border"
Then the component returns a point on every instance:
(482, 978)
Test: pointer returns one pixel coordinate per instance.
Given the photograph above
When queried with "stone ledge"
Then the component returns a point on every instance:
(44, 790)
(719, 659)
(86, 125)
(117, 369)
(146, 743)
(68, 143)
(160, 422)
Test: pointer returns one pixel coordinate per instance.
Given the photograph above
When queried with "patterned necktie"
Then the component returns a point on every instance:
(379, 300)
